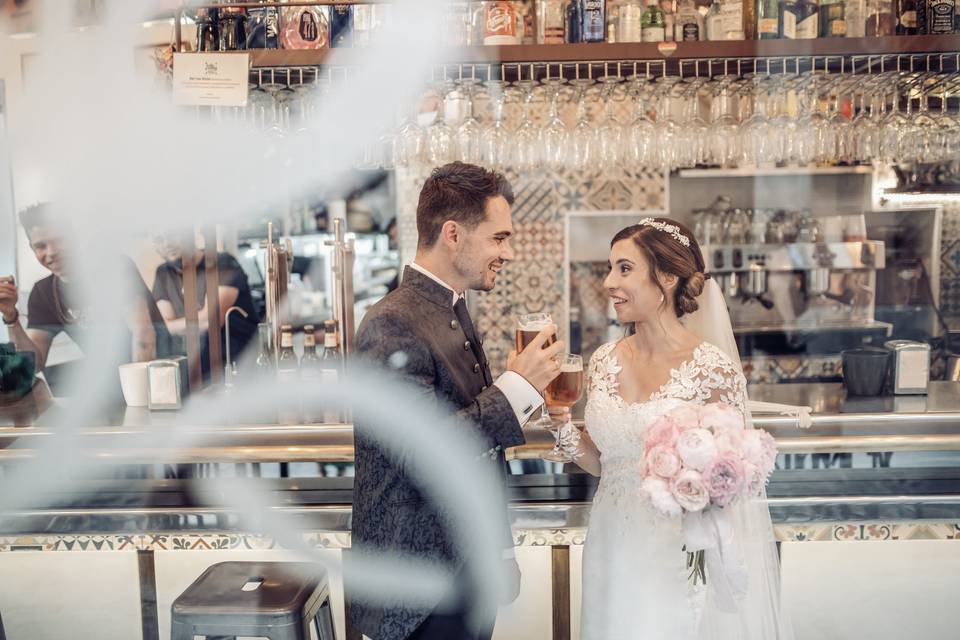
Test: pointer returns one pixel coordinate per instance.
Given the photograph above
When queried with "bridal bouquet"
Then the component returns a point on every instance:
(697, 460)
(700, 457)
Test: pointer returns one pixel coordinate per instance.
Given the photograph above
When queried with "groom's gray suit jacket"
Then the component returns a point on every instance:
(390, 513)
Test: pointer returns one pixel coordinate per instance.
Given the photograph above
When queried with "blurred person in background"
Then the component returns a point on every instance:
(233, 290)
(59, 304)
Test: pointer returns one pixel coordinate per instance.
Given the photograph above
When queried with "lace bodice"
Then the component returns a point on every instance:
(617, 427)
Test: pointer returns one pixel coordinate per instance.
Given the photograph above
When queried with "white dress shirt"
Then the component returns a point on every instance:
(524, 399)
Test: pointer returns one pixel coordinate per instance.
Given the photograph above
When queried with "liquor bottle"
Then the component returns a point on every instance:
(907, 17)
(550, 22)
(630, 22)
(573, 22)
(833, 23)
(768, 20)
(362, 25)
(500, 23)
(808, 23)
(288, 370)
(880, 20)
(941, 15)
(714, 22)
(311, 374)
(653, 24)
(341, 25)
(331, 365)
(731, 12)
(789, 12)
(922, 18)
(669, 18)
(262, 28)
(855, 13)
(689, 22)
(310, 361)
(594, 20)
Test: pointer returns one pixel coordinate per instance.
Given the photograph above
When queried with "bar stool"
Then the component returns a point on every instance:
(275, 600)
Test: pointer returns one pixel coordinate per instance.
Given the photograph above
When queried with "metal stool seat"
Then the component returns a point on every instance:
(275, 600)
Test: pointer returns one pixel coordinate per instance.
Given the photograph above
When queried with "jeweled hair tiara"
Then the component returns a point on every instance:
(672, 229)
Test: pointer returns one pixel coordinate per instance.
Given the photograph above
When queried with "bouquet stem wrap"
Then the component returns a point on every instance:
(711, 531)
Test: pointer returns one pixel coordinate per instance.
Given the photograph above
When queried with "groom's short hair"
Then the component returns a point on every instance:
(457, 191)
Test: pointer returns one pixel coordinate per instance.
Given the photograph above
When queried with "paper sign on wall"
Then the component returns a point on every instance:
(210, 79)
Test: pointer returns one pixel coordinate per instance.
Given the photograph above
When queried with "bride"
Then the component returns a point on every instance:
(680, 349)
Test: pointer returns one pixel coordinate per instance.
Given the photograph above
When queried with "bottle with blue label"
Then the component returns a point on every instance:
(341, 25)
(573, 23)
(594, 20)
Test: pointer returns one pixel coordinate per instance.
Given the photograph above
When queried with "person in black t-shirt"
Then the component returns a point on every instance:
(233, 290)
(57, 303)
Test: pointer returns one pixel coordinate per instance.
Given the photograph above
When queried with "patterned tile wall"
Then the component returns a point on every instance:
(185, 541)
(950, 264)
(536, 280)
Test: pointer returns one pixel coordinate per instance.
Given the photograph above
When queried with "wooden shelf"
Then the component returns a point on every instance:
(648, 51)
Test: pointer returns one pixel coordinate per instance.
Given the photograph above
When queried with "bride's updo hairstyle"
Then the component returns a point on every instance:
(670, 248)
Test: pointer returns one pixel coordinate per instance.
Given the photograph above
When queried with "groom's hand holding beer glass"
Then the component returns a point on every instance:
(537, 363)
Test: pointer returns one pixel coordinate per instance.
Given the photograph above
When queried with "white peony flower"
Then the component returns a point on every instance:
(657, 491)
(696, 448)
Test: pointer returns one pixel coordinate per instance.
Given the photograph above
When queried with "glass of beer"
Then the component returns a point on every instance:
(565, 391)
(529, 326)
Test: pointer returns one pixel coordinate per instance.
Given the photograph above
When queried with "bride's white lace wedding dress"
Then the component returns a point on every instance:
(635, 579)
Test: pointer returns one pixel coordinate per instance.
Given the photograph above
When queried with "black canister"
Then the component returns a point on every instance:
(865, 370)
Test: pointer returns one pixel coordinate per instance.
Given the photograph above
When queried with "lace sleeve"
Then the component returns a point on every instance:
(602, 371)
(721, 380)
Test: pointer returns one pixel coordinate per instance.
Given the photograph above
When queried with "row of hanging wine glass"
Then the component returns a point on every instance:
(784, 112)
(668, 122)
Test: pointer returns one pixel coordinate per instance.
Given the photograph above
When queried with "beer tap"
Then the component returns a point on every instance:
(278, 263)
(231, 367)
(343, 296)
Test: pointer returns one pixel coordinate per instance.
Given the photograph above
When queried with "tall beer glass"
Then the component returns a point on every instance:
(527, 329)
(565, 391)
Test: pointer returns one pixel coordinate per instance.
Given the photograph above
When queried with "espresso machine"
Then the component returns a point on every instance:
(796, 284)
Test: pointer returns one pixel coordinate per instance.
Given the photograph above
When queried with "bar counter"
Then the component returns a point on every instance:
(840, 425)
(867, 470)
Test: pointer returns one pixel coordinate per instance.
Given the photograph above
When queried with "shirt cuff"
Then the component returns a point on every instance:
(521, 395)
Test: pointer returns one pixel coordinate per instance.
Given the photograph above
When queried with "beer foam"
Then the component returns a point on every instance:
(567, 367)
(535, 325)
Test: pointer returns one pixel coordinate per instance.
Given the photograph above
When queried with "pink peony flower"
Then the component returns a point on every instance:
(686, 417)
(696, 448)
(689, 491)
(729, 441)
(658, 492)
(663, 461)
(724, 478)
(720, 416)
(663, 432)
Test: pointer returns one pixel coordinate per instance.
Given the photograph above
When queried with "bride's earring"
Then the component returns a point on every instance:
(662, 298)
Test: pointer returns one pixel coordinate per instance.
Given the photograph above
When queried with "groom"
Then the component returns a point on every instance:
(464, 227)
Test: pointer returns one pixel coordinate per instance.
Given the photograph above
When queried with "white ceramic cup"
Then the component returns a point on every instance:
(133, 382)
